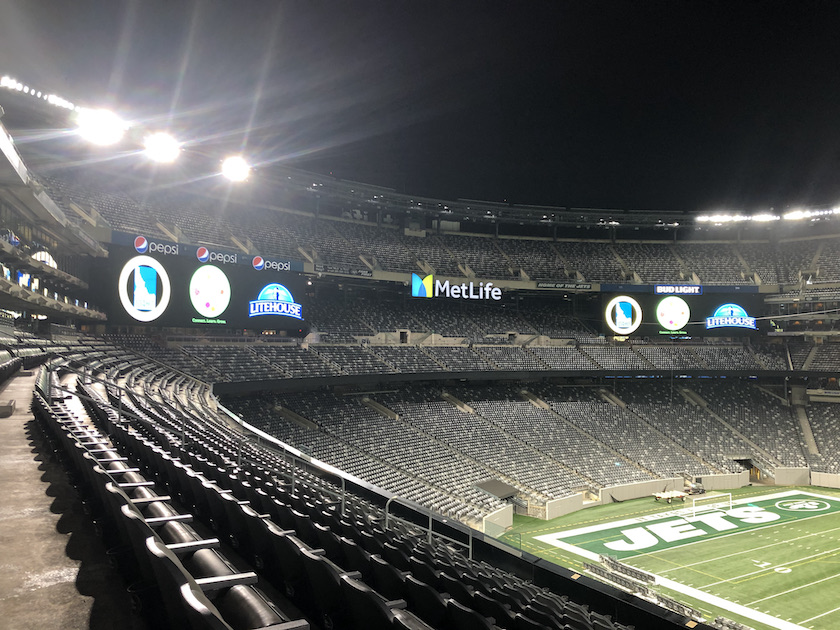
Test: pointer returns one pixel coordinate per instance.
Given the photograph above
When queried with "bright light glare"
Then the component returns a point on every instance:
(723, 218)
(236, 169)
(720, 219)
(797, 215)
(100, 126)
(161, 147)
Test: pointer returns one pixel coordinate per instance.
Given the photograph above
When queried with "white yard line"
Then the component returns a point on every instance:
(833, 610)
(753, 549)
(831, 577)
(770, 568)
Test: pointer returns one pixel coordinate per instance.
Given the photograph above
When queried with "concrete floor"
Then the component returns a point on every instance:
(54, 571)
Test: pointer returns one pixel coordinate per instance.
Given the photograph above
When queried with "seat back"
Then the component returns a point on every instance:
(367, 610)
(425, 601)
(465, 618)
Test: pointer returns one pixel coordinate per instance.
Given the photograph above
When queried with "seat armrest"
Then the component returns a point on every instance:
(219, 582)
(157, 521)
(193, 545)
(145, 500)
(136, 484)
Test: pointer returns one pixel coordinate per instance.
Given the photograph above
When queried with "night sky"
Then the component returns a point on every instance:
(670, 105)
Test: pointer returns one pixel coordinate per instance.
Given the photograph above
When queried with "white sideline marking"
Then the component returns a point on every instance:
(714, 600)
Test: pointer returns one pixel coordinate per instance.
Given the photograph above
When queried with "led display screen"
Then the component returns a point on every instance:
(162, 289)
(684, 315)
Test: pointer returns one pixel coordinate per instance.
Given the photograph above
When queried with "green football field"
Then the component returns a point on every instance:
(771, 559)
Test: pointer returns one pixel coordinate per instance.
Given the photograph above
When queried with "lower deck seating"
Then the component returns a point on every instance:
(338, 562)
(199, 586)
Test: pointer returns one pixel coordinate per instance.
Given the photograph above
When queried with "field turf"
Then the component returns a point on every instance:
(771, 561)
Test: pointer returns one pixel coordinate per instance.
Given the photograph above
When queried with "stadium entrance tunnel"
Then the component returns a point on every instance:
(757, 473)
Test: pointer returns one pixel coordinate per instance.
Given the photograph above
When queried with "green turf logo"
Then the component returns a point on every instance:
(772, 558)
(678, 529)
(656, 532)
(798, 505)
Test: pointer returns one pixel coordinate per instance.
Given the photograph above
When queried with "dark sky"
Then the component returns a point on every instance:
(665, 105)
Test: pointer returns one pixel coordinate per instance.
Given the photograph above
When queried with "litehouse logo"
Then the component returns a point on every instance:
(730, 316)
(429, 287)
(275, 299)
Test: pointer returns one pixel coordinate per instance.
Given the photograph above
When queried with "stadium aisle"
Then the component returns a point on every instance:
(55, 572)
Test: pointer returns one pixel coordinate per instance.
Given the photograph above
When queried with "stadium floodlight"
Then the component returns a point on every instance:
(814, 215)
(235, 168)
(100, 126)
(795, 215)
(161, 147)
(722, 218)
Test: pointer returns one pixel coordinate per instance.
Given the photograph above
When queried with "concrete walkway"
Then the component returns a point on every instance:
(54, 571)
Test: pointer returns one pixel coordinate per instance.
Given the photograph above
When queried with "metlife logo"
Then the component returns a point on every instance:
(429, 287)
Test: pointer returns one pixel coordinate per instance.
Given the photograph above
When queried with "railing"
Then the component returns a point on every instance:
(431, 534)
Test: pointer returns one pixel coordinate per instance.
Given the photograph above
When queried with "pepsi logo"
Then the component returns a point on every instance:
(141, 244)
(203, 254)
(258, 263)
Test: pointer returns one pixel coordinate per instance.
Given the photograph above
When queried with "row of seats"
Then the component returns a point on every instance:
(200, 588)
(319, 524)
(213, 363)
(204, 220)
(202, 479)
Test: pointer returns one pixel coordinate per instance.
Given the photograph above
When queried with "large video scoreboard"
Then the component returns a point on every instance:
(160, 288)
(681, 311)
